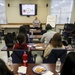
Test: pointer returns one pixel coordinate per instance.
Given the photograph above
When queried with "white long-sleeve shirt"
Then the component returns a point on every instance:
(47, 36)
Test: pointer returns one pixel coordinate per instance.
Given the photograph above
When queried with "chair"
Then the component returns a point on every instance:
(38, 27)
(43, 31)
(17, 56)
(68, 28)
(55, 54)
(27, 28)
(9, 39)
(37, 55)
(0, 37)
(73, 39)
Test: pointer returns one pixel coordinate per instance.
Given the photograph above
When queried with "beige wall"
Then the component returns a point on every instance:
(13, 14)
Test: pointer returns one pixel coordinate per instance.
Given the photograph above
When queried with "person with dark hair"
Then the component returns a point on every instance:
(48, 35)
(48, 27)
(68, 67)
(21, 42)
(4, 70)
(17, 55)
(56, 43)
(22, 29)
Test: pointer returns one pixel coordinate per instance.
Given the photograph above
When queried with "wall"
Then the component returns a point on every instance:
(13, 14)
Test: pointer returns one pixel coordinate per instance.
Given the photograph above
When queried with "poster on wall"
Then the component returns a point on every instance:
(3, 19)
(51, 20)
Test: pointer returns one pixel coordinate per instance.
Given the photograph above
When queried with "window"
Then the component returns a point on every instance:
(62, 9)
(2, 12)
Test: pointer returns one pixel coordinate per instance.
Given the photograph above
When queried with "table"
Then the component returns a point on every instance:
(50, 67)
(35, 36)
(32, 46)
(35, 31)
(60, 30)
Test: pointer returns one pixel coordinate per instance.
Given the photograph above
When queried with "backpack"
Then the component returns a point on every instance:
(9, 39)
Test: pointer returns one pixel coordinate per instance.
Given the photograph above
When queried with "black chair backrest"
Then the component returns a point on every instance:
(9, 39)
(17, 56)
(55, 54)
(27, 28)
(43, 31)
(69, 26)
(35, 53)
(73, 33)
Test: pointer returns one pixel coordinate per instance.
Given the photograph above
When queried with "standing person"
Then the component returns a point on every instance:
(17, 55)
(68, 67)
(4, 69)
(56, 43)
(36, 23)
(46, 37)
(22, 29)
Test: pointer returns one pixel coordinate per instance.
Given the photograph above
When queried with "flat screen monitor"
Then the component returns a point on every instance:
(28, 9)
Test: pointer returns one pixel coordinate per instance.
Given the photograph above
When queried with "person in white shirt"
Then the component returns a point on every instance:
(46, 37)
(36, 23)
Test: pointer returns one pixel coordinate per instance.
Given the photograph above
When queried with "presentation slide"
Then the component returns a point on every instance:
(28, 9)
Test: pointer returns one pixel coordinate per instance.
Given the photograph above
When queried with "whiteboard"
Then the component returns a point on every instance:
(3, 19)
(51, 20)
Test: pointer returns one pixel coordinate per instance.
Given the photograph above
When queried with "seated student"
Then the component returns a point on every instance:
(17, 55)
(4, 69)
(56, 43)
(21, 42)
(36, 23)
(48, 35)
(68, 67)
(22, 29)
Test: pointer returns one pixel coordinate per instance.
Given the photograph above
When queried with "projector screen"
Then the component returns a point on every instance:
(28, 9)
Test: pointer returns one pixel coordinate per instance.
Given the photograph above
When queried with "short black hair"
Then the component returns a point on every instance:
(21, 38)
(22, 29)
(48, 27)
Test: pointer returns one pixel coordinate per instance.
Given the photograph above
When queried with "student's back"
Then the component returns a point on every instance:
(4, 69)
(21, 42)
(22, 29)
(69, 65)
(48, 35)
(17, 56)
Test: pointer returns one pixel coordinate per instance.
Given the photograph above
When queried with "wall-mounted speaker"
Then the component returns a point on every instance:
(8, 5)
(46, 5)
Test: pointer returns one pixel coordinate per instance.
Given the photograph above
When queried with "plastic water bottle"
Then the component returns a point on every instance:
(9, 62)
(58, 65)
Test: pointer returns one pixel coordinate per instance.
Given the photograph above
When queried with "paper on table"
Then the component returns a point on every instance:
(48, 73)
(29, 45)
(39, 47)
(22, 70)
